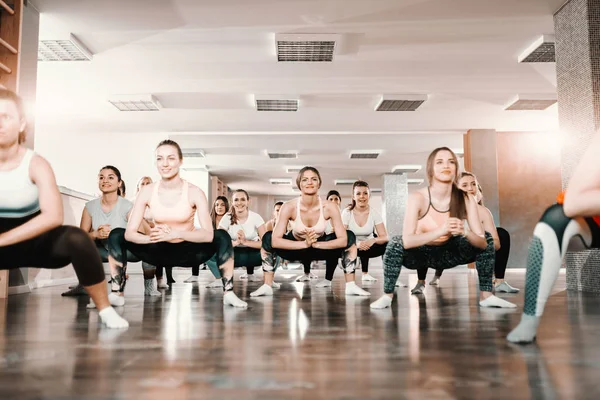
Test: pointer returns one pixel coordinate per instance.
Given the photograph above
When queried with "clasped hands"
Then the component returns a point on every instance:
(454, 227)
(162, 233)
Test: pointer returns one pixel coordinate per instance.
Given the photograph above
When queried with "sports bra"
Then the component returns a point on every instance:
(299, 226)
(179, 217)
(19, 196)
(432, 220)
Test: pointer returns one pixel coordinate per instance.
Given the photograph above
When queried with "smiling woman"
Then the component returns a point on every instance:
(308, 240)
(174, 240)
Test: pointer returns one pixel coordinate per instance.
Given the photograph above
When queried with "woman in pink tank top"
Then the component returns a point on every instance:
(174, 240)
(434, 233)
(308, 241)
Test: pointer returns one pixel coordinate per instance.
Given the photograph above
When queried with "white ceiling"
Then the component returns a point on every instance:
(204, 61)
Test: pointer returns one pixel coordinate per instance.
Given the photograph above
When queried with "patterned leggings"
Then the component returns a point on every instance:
(456, 251)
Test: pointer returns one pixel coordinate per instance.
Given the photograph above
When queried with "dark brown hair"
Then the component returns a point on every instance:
(169, 142)
(303, 170)
(121, 189)
(458, 207)
(472, 175)
(6, 94)
(356, 184)
(213, 213)
(234, 218)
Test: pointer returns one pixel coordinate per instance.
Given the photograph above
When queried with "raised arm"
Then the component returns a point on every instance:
(51, 207)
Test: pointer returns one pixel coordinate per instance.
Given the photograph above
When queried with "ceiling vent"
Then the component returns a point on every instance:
(135, 102)
(365, 154)
(344, 182)
(306, 47)
(540, 51)
(68, 49)
(406, 168)
(376, 190)
(275, 103)
(193, 153)
(532, 102)
(284, 154)
(415, 181)
(293, 169)
(400, 102)
(281, 181)
(196, 168)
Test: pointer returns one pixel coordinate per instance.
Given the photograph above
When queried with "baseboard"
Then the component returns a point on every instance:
(21, 289)
(53, 282)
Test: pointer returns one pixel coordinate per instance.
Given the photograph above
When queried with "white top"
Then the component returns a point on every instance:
(364, 232)
(250, 227)
(19, 196)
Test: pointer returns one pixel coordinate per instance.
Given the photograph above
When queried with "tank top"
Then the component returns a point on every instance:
(116, 218)
(19, 196)
(179, 217)
(299, 226)
(432, 220)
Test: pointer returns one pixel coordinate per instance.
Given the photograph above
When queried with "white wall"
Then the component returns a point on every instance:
(77, 158)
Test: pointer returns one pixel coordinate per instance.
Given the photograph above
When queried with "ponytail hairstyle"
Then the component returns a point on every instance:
(121, 189)
(213, 212)
(458, 207)
(234, 217)
(356, 184)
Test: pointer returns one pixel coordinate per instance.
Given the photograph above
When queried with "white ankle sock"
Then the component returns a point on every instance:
(353, 290)
(216, 284)
(526, 331)
(494, 301)
(192, 279)
(230, 299)
(115, 300)
(324, 283)
(149, 289)
(276, 285)
(383, 302)
(264, 290)
(111, 319)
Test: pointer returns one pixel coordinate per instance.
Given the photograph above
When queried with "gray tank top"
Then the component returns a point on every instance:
(116, 218)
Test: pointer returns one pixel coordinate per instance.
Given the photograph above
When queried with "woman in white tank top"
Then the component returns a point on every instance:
(31, 215)
(308, 240)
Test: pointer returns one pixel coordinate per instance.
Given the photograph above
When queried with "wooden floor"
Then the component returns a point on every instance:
(304, 343)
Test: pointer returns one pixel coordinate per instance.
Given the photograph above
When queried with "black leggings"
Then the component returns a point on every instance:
(501, 257)
(242, 257)
(307, 255)
(377, 250)
(183, 254)
(55, 249)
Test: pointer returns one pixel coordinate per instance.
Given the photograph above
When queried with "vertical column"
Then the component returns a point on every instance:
(395, 197)
(481, 158)
(577, 32)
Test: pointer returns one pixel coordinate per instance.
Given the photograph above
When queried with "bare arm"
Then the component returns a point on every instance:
(203, 234)
(51, 207)
(583, 192)
(382, 235)
(277, 240)
(410, 238)
(335, 217)
(256, 244)
(476, 234)
(136, 216)
(86, 224)
(489, 226)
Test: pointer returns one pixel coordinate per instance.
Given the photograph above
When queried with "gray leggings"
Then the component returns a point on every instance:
(456, 251)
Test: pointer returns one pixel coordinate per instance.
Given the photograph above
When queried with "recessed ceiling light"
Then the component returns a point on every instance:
(143, 102)
(67, 49)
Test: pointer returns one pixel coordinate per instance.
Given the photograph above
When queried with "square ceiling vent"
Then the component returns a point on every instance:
(376, 190)
(540, 51)
(282, 154)
(306, 47)
(364, 154)
(293, 169)
(406, 168)
(531, 102)
(400, 102)
(193, 153)
(66, 49)
(145, 102)
(414, 181)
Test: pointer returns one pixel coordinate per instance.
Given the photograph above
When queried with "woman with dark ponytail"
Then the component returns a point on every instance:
(434, 233)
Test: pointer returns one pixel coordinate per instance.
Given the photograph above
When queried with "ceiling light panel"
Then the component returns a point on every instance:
(67, 49)
(406, 168)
